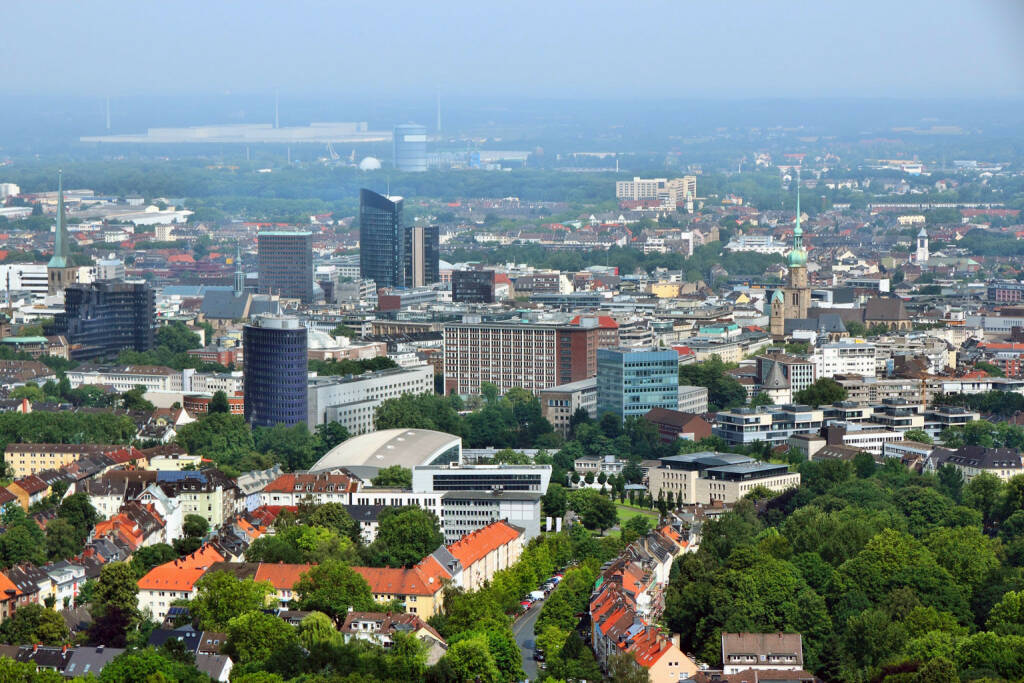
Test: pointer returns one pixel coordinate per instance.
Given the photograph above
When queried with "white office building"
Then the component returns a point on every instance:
(847, 357)
(693, 399)
(353, 400)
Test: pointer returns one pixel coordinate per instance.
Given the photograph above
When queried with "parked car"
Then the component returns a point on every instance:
(538, 655)
(526, 603)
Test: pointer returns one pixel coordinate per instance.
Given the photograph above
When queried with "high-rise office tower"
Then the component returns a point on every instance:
(632, 381)
(286, 264)
(275, 372)
(381, 239)
(59, 271)
(410, 147)
(103, 318)
(422, 255)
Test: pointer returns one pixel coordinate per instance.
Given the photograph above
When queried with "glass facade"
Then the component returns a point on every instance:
(106, 317)
(286, 264)
(381, 240)
(410, 148)
(633, 382)
(275, 372)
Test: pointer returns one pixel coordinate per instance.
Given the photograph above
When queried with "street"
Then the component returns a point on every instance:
(523, 631)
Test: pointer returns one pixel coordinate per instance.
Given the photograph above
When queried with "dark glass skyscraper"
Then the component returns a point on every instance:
(422, 255)
(106, 317)
(286, 264)
(381, 239)
(275, 372)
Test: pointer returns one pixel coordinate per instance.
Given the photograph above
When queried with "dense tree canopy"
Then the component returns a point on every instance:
(879, 572)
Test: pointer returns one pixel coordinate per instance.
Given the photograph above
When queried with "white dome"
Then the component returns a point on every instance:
(369, 164)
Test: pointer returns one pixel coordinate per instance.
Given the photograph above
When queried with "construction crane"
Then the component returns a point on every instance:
(331, 152)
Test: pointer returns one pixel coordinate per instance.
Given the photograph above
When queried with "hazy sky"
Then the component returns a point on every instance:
(673, 48)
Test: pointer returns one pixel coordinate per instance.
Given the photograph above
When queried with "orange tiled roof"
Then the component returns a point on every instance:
(312, 483)
(479, 543)
(388, 581)
(280, 576)
(7, 587)
(181, 574)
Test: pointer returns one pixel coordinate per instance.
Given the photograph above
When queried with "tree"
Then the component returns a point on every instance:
(824, 391)
(177, 337)
(990, 369)
(34, 623)
(225, 439)
(30, 391)
(623, 668)
(636, 527)
(147, 557)
(133, 400)
(394, 476)
(983, 493)
(221, 597)
(724, 390)
(471, 660)
(918, 435)
(329, 435)
(115, 609)
(864, 464)
(316, 629)
(62, 540)
(149, 665)
(26, 672)
(195, 526)
(79, 512)
(405, 535)
(255, 636)
(595, 511)
(553, 502)
(761, 399)
(332, 516)
(508, 456)
(1007, 615)
(219, 403)
(333, 588)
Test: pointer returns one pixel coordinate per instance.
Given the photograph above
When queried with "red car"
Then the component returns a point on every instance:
(526, 604)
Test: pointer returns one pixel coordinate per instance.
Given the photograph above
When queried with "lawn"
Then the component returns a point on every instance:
(626, 513)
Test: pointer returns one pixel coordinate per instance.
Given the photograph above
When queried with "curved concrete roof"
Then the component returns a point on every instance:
(363, 455)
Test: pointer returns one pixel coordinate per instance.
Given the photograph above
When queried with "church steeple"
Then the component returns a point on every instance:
(798, 256)
(60, 237)
(239, 275)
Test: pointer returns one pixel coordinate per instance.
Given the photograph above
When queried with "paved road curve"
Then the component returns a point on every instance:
(523, 631)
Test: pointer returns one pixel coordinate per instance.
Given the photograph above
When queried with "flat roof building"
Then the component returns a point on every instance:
(286, 264)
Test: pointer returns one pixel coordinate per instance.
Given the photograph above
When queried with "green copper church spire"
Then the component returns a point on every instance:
(60, 237)
(798, 256)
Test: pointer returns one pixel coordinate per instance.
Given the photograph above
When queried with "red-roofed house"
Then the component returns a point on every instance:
(174, 580)
(418, 587)
(485, 551)
(319, 488)
(282, 577)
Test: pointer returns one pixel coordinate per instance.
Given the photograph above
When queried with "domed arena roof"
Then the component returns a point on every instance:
(366, 454)
(369, 164)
